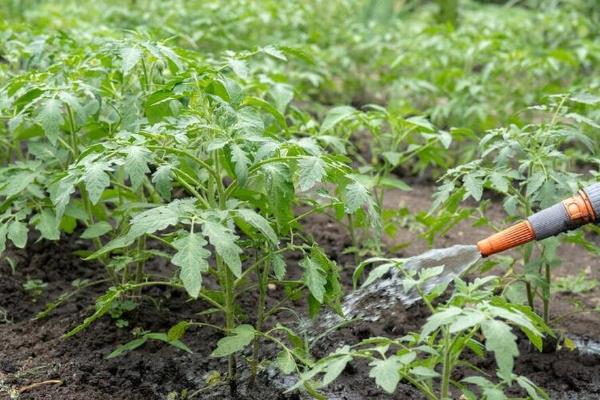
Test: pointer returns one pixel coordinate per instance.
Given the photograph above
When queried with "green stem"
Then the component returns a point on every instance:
(444, 390)
(262, 276)
(546, 291)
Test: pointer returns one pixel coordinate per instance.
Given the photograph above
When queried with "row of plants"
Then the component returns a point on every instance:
(162, 144)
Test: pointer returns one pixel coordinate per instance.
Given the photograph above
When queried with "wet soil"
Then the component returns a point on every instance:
(34, 352)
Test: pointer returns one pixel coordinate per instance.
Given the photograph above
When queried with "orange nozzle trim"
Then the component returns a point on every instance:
(579, 208)
(513, 236)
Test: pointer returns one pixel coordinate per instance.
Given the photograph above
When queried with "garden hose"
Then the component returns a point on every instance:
(567, 215)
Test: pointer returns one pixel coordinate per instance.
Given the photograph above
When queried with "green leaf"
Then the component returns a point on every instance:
(163, 182)
(239, 67)
(96, 180)
(279, 266)
(50, 118)
(103, 305)
(499, 182)
(394, 183)
(356, 196)
(474, 186)
(585, 98)
(96, 230)
(47, 224)
(468, 320)
(60, 194)
(136, 165)
(259, 222)
(154, 219)
(129, 346)
(3, 231)
(335, 116)
(17, 233)
(286, 362)
(192, 257)
(241, 162)
(314, 277)
(534, 183)
(386, 373)
(311, 171)
(282, 94)
(241, 337)
(18, 183)
(130, 56)
(500, 340)
(492, 393)
(438, 319)
(177, 331)
(279, 192)
(335, 368)
(424, 372)
(164, 338)
(224, 242)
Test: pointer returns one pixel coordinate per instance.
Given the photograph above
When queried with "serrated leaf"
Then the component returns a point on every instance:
(60, 193)
(152, 220)
(50, 118)
(499, 182)
(286, 362)
(240, 161)
(192, 258)
(438, 319)
(18, 183)
(258, 222)
(241, 337)
(17, 233)
(335, 368)
(534, 183)
(467, 320)
(47, 224)
(335, 116)
(311, 170)
(386, 373)
(279, 266)
(314, 277)
(474, 186)
(96, 180)
(162, 181)
(130, 56)
(96, 230)
(136, 165)
(356, 196)
(502, 342)
(224, 242)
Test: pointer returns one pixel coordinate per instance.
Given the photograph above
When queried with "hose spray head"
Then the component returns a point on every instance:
(569, 214)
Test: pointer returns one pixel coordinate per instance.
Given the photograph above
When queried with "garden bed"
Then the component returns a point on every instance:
(32, 351)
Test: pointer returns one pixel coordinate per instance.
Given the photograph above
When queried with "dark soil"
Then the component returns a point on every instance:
(33, 351)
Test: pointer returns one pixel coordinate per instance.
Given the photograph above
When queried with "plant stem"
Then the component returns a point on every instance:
(262, 276)
(227, 283)
(546, 291)
(446, 366)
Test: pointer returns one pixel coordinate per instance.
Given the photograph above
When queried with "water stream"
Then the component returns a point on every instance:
(368, 303)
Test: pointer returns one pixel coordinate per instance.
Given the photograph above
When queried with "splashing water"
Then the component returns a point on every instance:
(368, 303)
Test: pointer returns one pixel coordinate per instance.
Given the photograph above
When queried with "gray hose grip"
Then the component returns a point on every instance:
(593, 193)
(550, 222)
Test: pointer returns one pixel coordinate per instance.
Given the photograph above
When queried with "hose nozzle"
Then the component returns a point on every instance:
(569, 214)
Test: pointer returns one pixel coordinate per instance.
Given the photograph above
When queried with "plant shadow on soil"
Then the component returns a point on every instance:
(32, 351)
